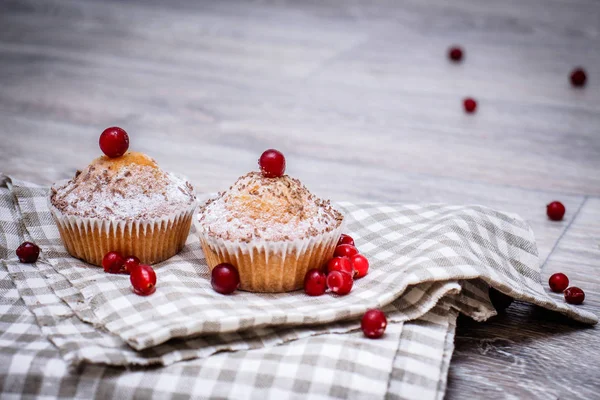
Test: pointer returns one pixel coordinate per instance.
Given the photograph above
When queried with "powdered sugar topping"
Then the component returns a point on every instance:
(275, 209)
(130, 191)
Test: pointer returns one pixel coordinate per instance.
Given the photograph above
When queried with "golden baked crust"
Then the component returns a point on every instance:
(128, 187)
(273, 209)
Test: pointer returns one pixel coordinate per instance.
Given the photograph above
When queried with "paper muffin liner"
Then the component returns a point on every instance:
(151, 240)
(266, 266)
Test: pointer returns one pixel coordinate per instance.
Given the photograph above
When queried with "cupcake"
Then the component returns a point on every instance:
(123, 203)
(271, 228)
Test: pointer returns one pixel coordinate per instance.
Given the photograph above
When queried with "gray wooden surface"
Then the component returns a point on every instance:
(362, 100)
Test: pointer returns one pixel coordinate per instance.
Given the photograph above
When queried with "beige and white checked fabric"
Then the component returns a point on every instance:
(424, 259)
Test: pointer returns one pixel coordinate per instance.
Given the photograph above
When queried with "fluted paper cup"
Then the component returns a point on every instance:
(151, 240)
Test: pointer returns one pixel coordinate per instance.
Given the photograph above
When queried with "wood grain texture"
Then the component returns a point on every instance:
(530, 352)
(361, 99)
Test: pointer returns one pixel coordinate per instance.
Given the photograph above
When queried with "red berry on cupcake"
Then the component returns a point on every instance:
(114, 142)
(272, 163)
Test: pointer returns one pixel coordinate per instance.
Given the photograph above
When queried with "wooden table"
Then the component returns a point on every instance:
(364, 103)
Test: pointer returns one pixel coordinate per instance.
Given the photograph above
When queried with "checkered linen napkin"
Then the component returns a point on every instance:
(410, 361)
(426, 253)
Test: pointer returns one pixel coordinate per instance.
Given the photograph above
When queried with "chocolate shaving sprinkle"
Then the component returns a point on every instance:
(275, 209)
(141, 192)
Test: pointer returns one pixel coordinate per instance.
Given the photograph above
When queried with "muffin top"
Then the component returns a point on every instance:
(274, 209)
(128, 187)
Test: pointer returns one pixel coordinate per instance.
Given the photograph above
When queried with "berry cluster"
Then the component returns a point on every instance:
(559, 283)
(577, 77)
(141, 276)
(346, 265)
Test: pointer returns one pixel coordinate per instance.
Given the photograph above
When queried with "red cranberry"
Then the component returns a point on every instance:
(360, 265)
(340, 282)
(555, 210)
(225, 278)
(113, 262)
(346, 239)
(114, 142)
(574, 295)
(345, 250)
(315, 282)
(499, 300)
(558, 282)
(341, 264)
(272, 163)
(143, 280)
(470, 105)
(373, 324)
(455, 53)
(578, 77)
(28, 252)
(131, 263)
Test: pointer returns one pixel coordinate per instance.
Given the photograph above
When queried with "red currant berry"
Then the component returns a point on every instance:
(455, 53)
(555, 210)
(225, 278)
(340, 282)
(114, 142)
(345, 250)
(346, 239)
(470, 105)
(558, 282)
(113, 262)
(499, 300)
(341, 264)
(315, 282)
(143, 280)
(272, 163)
(360, 264)
(373, 324)
(574, 295)
(578, 77)
(28, 252)
(131, 263)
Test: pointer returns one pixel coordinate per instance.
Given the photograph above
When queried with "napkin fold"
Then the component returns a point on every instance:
(427, 263)
(323, 366)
